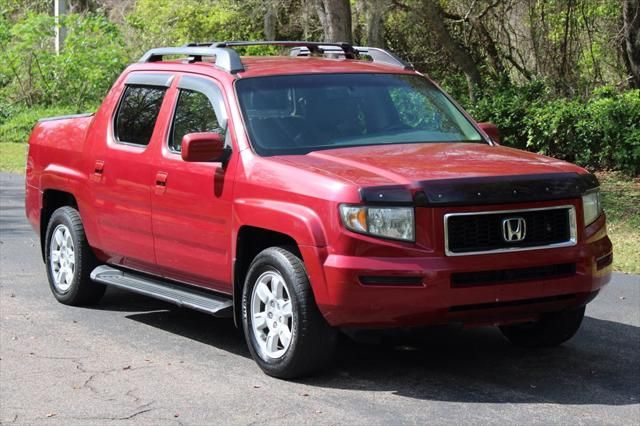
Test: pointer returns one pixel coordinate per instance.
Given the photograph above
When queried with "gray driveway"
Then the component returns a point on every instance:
(139, 361)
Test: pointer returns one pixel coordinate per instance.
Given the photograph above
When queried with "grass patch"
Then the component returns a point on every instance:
(621, 199)
(12, 157)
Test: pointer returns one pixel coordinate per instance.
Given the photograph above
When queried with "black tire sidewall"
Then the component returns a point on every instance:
(70, 218)
(271, 261)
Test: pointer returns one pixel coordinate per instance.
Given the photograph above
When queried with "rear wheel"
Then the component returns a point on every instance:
(70, 260)
(286, 334)
(550, 330)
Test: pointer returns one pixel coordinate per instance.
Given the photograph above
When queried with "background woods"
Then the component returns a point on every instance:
(561, 77)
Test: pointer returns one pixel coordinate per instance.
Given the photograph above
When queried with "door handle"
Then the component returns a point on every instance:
(161, 182)
(161, 179)
(97, 171)
(99, 167)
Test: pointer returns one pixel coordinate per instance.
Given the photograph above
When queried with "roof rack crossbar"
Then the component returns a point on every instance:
(377, 55)
(227, 59)
(312, 46)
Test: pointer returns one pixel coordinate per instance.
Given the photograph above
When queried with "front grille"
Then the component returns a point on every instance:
(502, 276)
(471, 233)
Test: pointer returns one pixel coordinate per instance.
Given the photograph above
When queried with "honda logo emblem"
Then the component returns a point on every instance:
(514, 229)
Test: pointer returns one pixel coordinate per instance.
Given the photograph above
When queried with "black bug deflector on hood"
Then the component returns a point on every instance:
(484, 190)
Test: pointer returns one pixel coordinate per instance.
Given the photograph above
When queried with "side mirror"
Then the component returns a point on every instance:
(491, 130)
(203, 147)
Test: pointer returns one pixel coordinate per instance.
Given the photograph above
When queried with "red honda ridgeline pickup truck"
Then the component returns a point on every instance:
(310, 193)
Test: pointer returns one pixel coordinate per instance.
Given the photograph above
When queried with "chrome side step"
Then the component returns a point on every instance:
(199, 300)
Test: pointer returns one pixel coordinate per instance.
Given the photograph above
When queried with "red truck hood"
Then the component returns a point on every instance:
(407, 163)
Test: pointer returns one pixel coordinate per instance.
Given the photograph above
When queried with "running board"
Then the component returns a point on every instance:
(199, 300)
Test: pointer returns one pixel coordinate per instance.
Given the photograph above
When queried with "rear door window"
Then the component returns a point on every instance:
(137, 114)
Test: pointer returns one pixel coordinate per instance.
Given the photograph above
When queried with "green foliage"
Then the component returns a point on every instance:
(17, 126)
(509, 107)
(169, 23)
(26, 60)
(93, 57)
(32, 74)
(600, 132)
(603, 132)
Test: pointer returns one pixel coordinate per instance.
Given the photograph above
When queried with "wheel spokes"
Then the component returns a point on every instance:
(260, 320)
(277, 287)
(263, 292)
(272, 341)
(271, 313)
(285, 335)
(58, 236)
(286, 309)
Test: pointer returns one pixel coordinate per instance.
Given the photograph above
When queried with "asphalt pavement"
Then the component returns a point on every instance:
(134, 360)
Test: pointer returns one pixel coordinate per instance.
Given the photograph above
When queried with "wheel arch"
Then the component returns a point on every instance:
(250, 241)
(263, 223)
(53, 199)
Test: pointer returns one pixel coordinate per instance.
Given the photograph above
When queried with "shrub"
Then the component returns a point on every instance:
(169, 23)
(17, 127)
(600, 132)
(508, 108)
(32, 74)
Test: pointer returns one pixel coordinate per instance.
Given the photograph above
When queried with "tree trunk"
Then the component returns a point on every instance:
(335, 18)
(493, 54)
(81, 6)
(270, 21)
(434, 16)
(376, 10)
(631, 29)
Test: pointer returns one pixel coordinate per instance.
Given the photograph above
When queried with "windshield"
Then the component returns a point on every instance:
(297, 114)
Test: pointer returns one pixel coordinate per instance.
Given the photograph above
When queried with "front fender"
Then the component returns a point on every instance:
(299, 222)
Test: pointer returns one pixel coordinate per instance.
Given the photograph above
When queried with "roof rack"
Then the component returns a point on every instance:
(376, 54)
(312, 46)
(228, 59)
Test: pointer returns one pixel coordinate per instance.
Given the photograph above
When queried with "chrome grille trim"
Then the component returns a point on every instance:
(572, 241)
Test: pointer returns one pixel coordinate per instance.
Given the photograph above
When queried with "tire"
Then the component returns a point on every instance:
(310, 341)
(69, 260)
(550, 330)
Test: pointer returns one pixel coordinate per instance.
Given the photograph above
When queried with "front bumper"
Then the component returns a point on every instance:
(424, 293)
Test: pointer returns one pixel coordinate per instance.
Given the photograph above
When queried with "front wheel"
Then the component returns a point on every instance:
(286, 334)
(550, 330)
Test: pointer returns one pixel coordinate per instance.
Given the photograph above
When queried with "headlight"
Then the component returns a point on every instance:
(591, 206)
(388, 222)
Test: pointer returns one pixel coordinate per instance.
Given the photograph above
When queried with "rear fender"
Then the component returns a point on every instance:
(74, 182)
